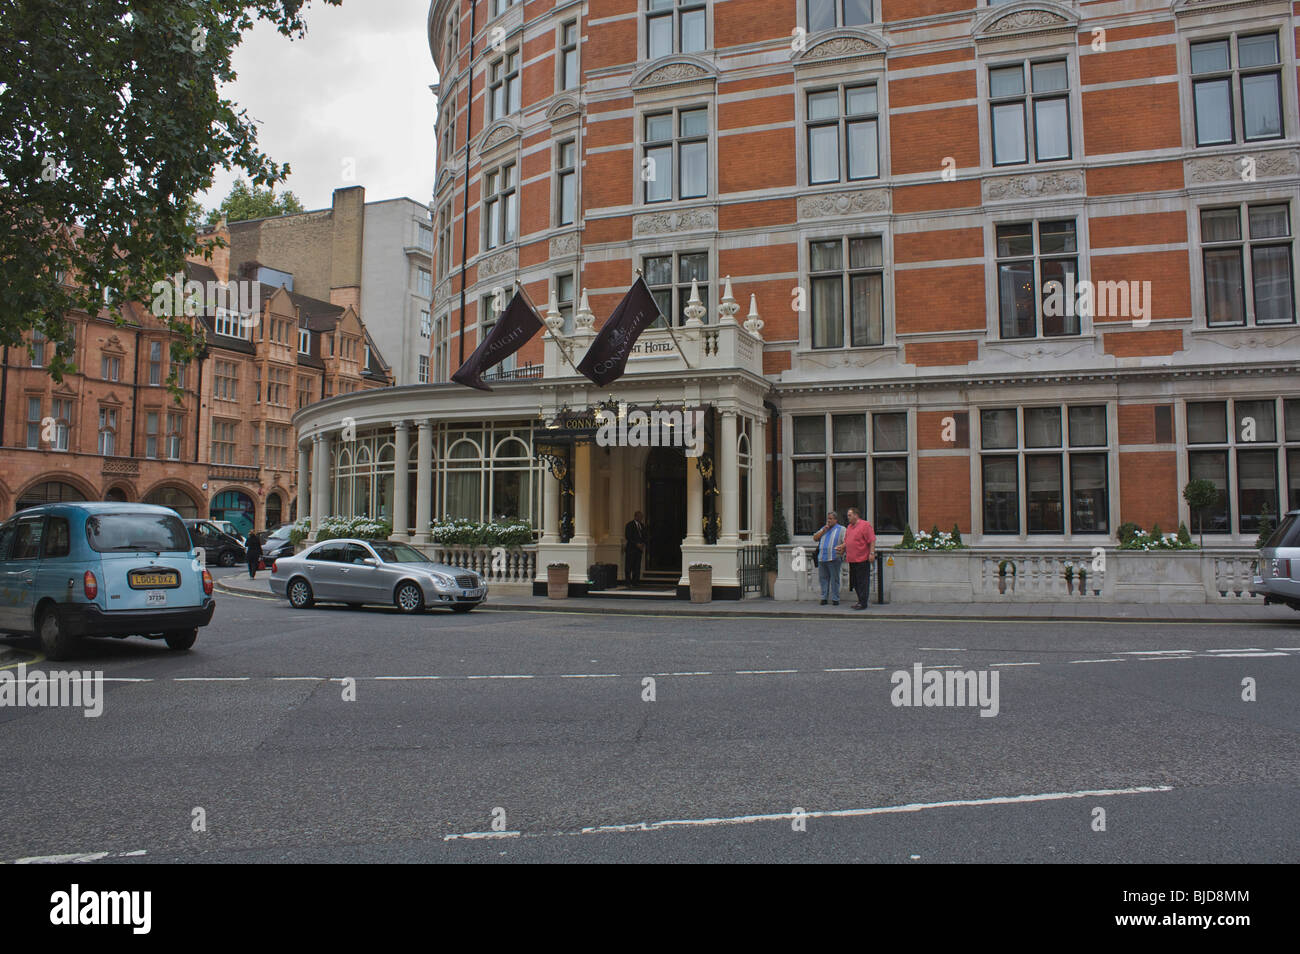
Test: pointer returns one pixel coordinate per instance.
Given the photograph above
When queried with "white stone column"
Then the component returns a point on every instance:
(304, 480)
(582, 484)
(694, 503)
(618, 515)
(423, 482)
(320, 483)
(729, 477)
(401, 480)
(550, 508)
(758, 481)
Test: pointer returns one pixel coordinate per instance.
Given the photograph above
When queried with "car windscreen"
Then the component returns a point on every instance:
(1287, 534)
(138, 532)
(400, 553)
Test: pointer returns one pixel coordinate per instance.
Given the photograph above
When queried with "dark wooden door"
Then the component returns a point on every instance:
(665, 508)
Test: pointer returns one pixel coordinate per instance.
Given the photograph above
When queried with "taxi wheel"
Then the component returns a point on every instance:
(300, 595)
(408, 598)
(55, 642)
(181, 639)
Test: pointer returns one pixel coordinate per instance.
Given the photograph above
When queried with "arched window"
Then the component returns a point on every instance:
(237, 507)
(176, 500)
(274, 510)
(52, 491)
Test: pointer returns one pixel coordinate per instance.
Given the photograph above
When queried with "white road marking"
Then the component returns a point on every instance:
(1241, 655)
(839, 813)
(858, 669)
(297, 678)
(1016, 664)
(211, 678)
(1167, 658)
(1097, 660)
(681, 674)
(501, 677)
(762, 672)
(1244, 649)
(590, 675)
(941, 649)
(482, 835)
(400, 678)
(77, 858)
(1155, 652)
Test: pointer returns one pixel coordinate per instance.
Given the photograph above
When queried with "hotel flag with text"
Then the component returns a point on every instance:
(514, 329)
(606, 359)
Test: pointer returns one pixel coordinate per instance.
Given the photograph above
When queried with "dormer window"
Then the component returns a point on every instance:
(304, 341)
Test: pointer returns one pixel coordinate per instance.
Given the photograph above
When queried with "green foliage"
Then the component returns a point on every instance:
(1184, 538)
(909, 539)
(779, 535)
(1126, 531)
(364, 528)
(1265, 527)
(249, 202)
(1006, 567)
(956, 536)
(1139, 539)
(935, 539)
(1200, 494)
(112, 119)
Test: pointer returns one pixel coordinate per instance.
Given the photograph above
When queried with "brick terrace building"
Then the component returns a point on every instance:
(897, 185)
(113, 431)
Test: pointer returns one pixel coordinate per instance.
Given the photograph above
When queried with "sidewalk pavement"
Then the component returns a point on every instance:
(1247, 611)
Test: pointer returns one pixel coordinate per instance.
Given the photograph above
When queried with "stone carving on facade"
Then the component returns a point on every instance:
(561, 109)
(659, 223)
(564, 245)
(497, 136)
(1026, 20)
(674, 73)
(1033, 185)
(840, 46)
(441, 291)
(826, 204)
(1267, 165)
(496, 264)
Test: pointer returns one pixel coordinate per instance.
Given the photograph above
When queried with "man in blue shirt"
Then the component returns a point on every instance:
(828, 560)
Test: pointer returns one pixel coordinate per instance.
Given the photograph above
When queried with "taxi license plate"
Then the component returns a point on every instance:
(153, 579)
(155, 598)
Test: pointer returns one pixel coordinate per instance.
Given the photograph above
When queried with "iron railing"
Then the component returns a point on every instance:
(749, 569)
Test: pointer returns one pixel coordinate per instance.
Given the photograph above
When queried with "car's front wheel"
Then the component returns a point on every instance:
(55, 641)
(409, 598)
(300, 595)
(227, 558)
(181, 639)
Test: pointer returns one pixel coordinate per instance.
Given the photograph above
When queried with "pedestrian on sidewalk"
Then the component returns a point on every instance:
(828, 540)
(253, 550)
(859, 548)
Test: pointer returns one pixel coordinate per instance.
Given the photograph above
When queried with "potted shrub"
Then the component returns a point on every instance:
(1083, 580)
(1003, 567)
(778, 537)
(701, 577)
(557, 581)
(1200, 496)
(1069, 576)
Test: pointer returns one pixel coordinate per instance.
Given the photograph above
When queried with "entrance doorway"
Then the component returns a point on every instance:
(665, 509)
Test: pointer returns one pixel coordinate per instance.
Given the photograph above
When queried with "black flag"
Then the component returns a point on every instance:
(606, 359)
(515, 328)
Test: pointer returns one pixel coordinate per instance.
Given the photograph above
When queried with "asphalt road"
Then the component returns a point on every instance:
(528, 736)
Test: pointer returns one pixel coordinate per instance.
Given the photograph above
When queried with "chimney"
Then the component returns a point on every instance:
(348, 221)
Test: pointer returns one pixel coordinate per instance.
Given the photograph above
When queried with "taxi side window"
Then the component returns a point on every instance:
(6, 538)
(58, 538)
(27, 539)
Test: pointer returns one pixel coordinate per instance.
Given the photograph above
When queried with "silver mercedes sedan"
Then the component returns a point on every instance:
(358, 572)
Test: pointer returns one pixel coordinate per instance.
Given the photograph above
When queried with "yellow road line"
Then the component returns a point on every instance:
(36, 658)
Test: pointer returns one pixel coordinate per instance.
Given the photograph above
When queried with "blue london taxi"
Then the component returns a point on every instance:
(101, 569)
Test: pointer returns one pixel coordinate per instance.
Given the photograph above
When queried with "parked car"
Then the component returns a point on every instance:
(1277, 576)
(228, 528)
(357, 572)
(101, 569)
(276, 544)
(218, 547)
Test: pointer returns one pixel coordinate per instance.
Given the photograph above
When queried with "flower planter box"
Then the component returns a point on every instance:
(701, 578)
(557, 582)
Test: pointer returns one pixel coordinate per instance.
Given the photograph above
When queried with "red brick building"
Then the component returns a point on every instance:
(1026, 268)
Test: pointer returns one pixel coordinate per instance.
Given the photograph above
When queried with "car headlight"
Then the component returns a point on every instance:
(442, 580)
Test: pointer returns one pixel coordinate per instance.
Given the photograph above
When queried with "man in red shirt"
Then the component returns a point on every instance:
(859, 548)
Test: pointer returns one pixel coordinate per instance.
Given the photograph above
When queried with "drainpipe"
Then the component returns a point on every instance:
(135, 390)
(469, 133)
(4, 392)
(772, 490)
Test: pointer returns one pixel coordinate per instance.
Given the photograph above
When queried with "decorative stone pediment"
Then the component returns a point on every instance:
(662, 223)
(677, 71)
(563, 108)
(1028, 17)
(445, 179)
(840, 45)
(827, 204)
(1193, 7)
(113, 344)
(1245, 167)
(498, 134)
(1033, 185)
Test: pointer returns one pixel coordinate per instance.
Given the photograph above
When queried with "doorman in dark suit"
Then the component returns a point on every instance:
(634, 535)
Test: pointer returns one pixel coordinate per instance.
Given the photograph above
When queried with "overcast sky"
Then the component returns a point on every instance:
(355, 87)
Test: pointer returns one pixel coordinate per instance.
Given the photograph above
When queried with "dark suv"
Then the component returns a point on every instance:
(1278, 572)
(218, 547)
